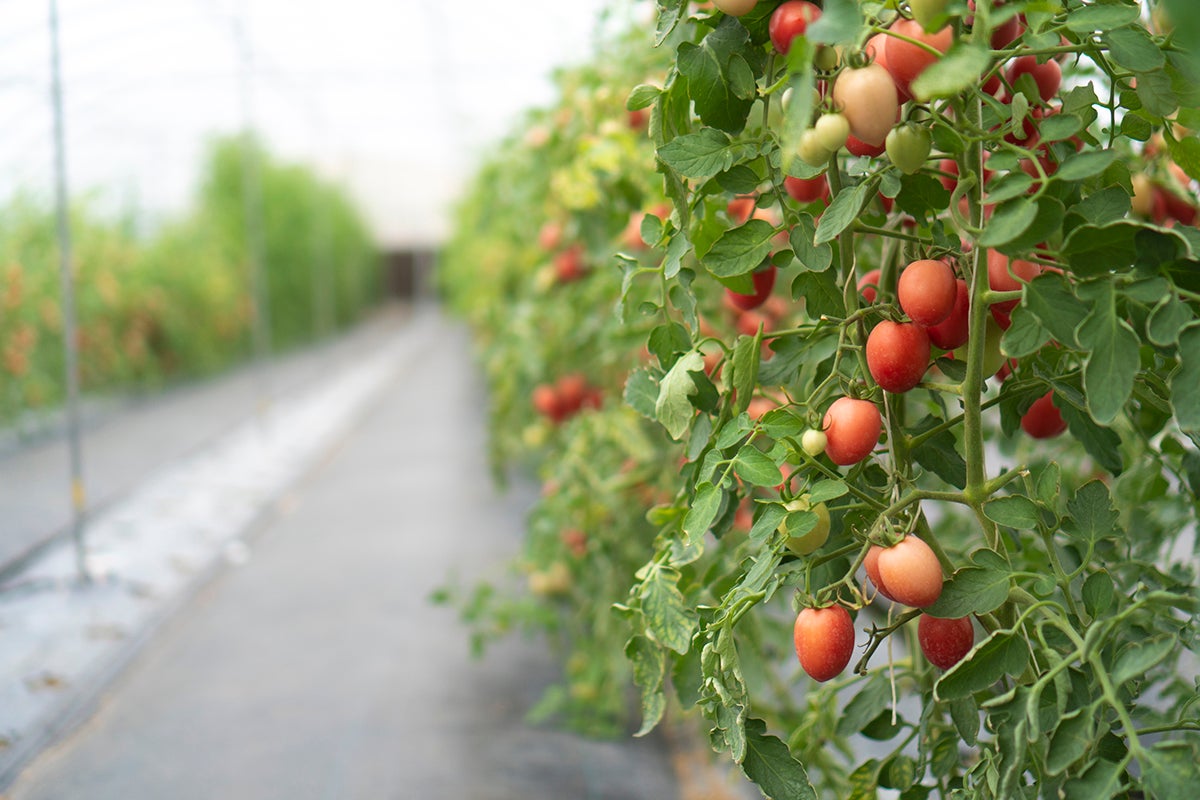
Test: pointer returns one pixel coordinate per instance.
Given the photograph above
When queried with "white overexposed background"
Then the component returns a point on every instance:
(395, 98)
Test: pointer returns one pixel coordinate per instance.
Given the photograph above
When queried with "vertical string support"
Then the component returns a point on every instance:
(67, 279)
(253, 214)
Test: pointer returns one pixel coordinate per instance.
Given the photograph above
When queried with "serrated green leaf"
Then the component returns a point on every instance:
(746, 355)
(768, 520)
(1049, 484)
(1058, 127)
(1009, 221)
(1171, 771)
(668, 619)
(821, 294)
(1090, 514)
(1113, 361)
(971, 590)
(715, 71)
(1091, 19)
(965, 714)
(939, 454)
(1099, 782)
(705, 153)
(816, 258)
(705, 506)
(1071, 740)
(1132, 48)
(771, 766)
(754, 467)
(643, 96)
(739, 250)
(825, 490)
(1000, 654)
(1015, 511)
(1185, 383)
(672, 407)
(1100, 443)
(641, 393)
(957, 70)
(1098, 594)
(1140, 657)
(1006, 187)
(1085, 165)
(1167, 319)
(842, 212)
(1025, 335)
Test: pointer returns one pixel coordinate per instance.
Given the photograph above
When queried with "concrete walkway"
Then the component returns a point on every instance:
(318, 668)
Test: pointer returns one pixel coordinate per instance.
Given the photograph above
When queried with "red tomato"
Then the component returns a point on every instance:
(1006, 275)
(905, 61)
(867, 98)
(824, 639)
(927, 291)
(572, 391)
(897, 355)
(748, 322)
(876, 48)
(1002, 35)
(546, 402)
(860, 148)
(911, 572)
(740, 208)
(868, 285)
(1048, 76)
(1043, 420)
(550, 236)
(954, 330)
(764, 282)
(568, 264)
(807, 190)
(852, 429)
(945, 641)
(790, 20)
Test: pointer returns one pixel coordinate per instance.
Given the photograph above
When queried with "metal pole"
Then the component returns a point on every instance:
(70, 345)
(253, 212)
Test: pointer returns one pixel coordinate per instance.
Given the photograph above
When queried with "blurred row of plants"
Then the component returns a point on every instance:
(176, 303)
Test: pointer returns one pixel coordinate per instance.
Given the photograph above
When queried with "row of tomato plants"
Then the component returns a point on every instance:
(878, 336)
(173, 303)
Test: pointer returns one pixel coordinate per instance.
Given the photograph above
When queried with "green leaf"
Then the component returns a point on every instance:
(1100, 443)
(643, 95)
(641, 393)
(1171, 771)
(939, 454)
(1090, 19)
(667, 341)
(816, 258)
(921, 195)
(864, 706)
(842, 212)
(717, 72)
(768, 520)
(1000, 654)
(825, 490)
(1097, 249)
(669, 14)
(1009, 221)
(1156, 94)
(1113, 361)
(959, 69)
(673, 408)
(1058, 127)
(1049, 484)
(1141, 656)
(739, 250)
(668, 619)
(1170, 316)
(1014, 511)
(1102, 207)
(1185, 384)
(1098, 594)
(746, 355)
(965, 713)
(1085, 165)
(754, 467)
(705, 153)
(971, 590)
(838, 24)
(649, 666)
(705, 506)
(1186, 153)
(1025, 336)
(1133, 49)
(1091, 516)
(1047, 221)
(1070, 741)
(821, 294)
(1099, 782)
(770, 764)
(1006, 187)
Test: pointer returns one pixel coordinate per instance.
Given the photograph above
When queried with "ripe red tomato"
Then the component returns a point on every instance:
(905, 61)
(867, 97)
(572, 391)
(550, 236)
(740, 208)
(1043, 420)
(748, 322)
(1048, 76)
(1006, 275)
(1002, 35)
(546, 402)
(945, 641)
(735, 8)
(790, 20)
(868, 285)
(927, 290)
(876, 49)
(807, 190)
(911, 572)
(824, 639)
(852, 429)
(955, 329)
(568, 264)
(897, 355)
(764, 282)
(860, 148)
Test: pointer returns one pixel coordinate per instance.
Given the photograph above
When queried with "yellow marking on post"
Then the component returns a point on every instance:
(78, 495)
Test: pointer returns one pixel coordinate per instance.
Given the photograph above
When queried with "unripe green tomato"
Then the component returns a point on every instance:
(832, 130)
(813, 442)
(735, 8)
(812, 151)
(805, 543)
(927, 11)
(826, 58)
(993, 358)
(908, 146)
